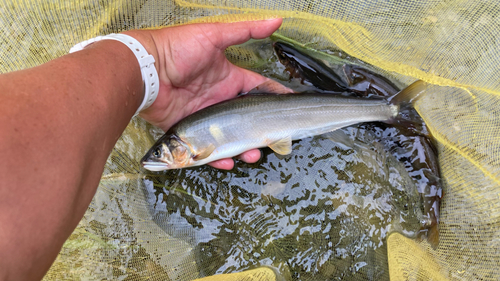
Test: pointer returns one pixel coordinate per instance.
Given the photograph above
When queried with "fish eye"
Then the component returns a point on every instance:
(157, 152)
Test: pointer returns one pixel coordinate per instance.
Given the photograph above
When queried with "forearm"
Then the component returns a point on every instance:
(59, 122)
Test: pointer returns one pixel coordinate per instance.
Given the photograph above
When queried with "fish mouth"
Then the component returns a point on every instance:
(155, 166)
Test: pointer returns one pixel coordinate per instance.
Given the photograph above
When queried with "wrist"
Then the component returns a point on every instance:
(146, 62)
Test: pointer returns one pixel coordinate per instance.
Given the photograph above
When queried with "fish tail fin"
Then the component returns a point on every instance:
(433, 236)
(410, 94)
(407, 117)
(430, 226)
(431, 233)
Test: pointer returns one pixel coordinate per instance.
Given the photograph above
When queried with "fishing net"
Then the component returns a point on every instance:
(276, 220)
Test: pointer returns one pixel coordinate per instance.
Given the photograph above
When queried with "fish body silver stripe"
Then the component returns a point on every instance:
(255, 121)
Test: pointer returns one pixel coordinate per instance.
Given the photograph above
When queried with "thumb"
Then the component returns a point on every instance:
(239, 32)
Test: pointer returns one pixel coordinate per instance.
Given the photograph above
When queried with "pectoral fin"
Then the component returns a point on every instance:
(204, 153)
(282, 146)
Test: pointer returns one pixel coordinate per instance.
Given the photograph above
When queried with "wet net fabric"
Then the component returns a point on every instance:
(135, 230)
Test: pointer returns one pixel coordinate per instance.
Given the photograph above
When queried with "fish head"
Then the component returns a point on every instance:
(287, 58)
(281, 52)
(303, 64)
(169, 152)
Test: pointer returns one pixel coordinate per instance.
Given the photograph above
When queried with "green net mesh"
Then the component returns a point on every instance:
(152, 227)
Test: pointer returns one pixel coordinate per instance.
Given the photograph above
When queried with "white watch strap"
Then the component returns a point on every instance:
(146, 62)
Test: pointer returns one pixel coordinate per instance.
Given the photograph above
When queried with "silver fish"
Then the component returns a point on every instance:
(232, 127)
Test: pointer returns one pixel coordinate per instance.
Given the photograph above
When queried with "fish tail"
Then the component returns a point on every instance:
(406, 117)
(433, 236)
(410, 94)
(431, 232)
(408, 120)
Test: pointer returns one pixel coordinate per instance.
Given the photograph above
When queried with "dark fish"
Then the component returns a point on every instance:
(302, 66)
(410, 142)
(367, 83)
(412, 146)
(359, 80)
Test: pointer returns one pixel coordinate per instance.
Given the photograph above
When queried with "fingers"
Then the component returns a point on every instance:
(223, 164)
(240, 32)
(271, 87)
(255, 82)
(250, 156)
(250, 79)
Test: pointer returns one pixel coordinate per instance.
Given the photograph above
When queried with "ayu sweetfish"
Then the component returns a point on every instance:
(413, 146)
(308, 68)
(358, 80)
(366, 83)
(252, 121)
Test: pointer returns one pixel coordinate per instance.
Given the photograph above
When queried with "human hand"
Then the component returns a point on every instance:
(194, 72)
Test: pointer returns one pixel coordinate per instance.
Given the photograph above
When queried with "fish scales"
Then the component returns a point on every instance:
(257, 120)
(229, 128)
